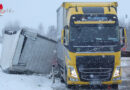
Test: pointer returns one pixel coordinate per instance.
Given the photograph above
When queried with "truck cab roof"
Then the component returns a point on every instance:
(91, 11)
(89, 4)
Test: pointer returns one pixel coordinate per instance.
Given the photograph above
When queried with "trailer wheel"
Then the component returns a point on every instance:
(115, 86)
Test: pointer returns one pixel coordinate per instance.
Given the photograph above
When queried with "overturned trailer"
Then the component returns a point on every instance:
(24, 50)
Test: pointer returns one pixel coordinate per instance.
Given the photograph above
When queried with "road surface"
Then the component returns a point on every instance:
(125, 74)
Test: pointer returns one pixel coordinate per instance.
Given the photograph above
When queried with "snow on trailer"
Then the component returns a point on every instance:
(27, 51)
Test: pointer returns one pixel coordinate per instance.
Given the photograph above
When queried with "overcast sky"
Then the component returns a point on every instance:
(31, 13)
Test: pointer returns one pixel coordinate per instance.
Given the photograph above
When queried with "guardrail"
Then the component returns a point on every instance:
(125, 53)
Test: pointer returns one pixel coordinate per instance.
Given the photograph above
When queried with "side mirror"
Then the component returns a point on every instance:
(123, 37)
(64, 33)
(63, 37)
(66, 27)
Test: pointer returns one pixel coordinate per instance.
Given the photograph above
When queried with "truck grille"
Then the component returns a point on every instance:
(95, 67)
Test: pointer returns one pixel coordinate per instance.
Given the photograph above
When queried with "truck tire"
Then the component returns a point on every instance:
(115, 86)
(60, 75)
(70, 86)
(61, 78)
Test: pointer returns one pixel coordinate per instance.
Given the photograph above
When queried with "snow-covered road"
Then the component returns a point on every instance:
(26, 82)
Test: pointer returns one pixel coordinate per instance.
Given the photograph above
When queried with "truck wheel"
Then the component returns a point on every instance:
(65, 75)
(61, 78)
(60, 75)
(70, 86)
(115, 86)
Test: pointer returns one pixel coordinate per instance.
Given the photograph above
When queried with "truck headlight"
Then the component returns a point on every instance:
(117, 72)
(73, 72)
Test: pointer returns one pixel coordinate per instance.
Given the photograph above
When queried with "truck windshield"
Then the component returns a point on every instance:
(98, 35)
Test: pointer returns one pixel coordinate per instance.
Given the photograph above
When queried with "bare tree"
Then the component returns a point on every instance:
(12, 26)
(41, 29)
(122, 22)
(15, 26)
(52, 32)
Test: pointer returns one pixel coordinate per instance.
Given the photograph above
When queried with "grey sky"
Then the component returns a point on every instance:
(31, 13)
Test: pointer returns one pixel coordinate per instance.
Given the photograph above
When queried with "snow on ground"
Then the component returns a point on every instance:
(26, 82)
(125, 61)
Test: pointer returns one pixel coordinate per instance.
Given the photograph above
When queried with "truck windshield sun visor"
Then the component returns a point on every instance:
(93, 19)
(93, 10)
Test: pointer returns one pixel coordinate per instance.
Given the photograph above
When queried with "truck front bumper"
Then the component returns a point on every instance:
(88, 83)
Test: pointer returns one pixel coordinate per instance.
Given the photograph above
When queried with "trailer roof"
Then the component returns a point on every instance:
(89, 4)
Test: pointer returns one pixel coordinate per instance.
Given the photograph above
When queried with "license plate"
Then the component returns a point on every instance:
(95, 82)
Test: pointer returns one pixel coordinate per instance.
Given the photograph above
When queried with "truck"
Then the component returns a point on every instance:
(89, 44)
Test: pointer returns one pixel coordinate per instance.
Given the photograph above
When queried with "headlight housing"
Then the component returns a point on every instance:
(73, 72)
(117, 72)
